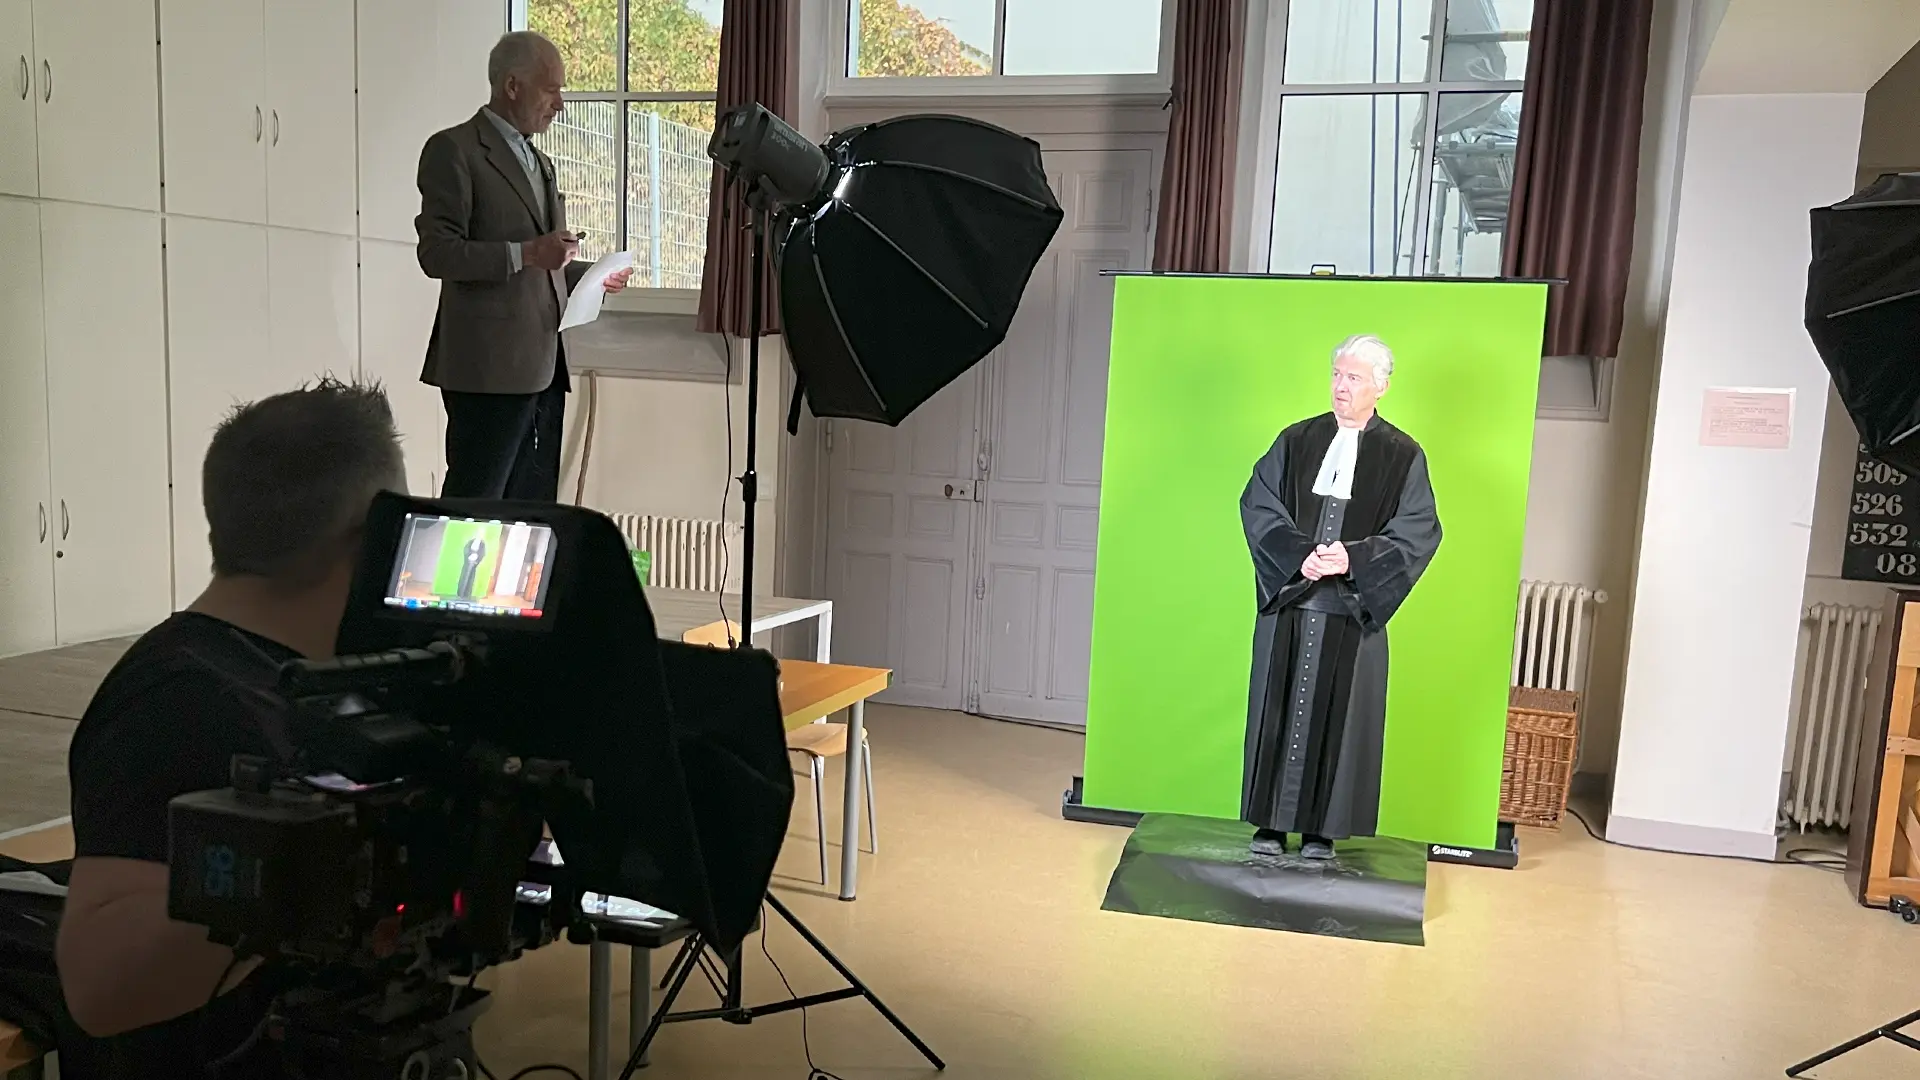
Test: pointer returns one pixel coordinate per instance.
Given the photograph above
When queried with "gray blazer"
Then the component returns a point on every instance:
(496, 332)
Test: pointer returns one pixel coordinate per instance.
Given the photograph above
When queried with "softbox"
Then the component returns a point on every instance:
(1863, 312)
(910, 272)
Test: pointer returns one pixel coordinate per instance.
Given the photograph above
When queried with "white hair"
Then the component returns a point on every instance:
(1372, 350)
(518, 53)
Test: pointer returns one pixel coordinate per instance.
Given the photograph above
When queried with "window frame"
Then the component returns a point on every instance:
(636, 298)
(1274, 90)
(841, 86)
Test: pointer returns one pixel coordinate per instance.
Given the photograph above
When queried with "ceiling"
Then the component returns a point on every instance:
(1806, 46)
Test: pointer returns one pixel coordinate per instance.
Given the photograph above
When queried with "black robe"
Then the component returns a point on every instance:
(1317, 706)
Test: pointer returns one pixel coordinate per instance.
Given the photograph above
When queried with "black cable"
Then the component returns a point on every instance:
(814, 1072)
(1833, 863)
(726, 485)
(531, 1069)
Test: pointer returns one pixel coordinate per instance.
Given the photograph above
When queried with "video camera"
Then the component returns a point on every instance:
(500, 696)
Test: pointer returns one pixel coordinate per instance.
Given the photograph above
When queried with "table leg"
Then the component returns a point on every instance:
(599, 1008)
(640, 1004)
(823, 639)
(850, 802)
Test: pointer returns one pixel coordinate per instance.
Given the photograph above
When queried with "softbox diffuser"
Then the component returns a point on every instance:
(1863, 312)
(911, 271)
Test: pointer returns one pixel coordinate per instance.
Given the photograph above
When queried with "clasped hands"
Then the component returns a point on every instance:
(556, 249)
(1327, 560)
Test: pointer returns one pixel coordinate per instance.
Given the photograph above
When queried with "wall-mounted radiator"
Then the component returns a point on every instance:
(1553, 634)
(688, 553)
(1836, 651)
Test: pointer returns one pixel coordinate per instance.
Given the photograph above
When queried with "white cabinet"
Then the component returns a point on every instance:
(397, 304)
(213, 95)
(20, 163)
(259, 111)
(310, 115)
(96, 90)
(26, 550)
(423, 67)
(220, 353)
(107, 421)
(251, 312)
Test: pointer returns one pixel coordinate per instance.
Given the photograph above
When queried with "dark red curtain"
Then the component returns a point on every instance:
(753, 68)
(1576, 172)
(1196, 182)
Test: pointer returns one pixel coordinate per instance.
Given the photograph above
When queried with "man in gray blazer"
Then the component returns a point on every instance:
(493, 232)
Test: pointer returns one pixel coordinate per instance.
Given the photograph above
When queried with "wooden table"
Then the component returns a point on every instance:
(676, 611)
(47, 842)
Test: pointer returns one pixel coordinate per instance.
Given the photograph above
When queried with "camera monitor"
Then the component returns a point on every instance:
(472, 566)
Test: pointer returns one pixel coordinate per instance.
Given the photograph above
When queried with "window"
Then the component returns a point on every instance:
(1022, 38)
(1397, 122)
(630, 152)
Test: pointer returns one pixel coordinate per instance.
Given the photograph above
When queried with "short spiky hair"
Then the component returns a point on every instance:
(288, 474)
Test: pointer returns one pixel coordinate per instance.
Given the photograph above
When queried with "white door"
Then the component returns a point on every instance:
(20, 164)
(107, 415)
(899, 544)
(213, 105)
(26, 529)
(431, 55)
(315, 305)
(1047, 410)
(220, 354)
(397, 303)
(98, 86)
(310, 115)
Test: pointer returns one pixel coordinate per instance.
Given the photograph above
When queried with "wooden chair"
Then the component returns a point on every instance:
(818, 741)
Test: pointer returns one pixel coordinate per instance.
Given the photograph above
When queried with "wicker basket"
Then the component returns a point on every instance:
(1543, 729)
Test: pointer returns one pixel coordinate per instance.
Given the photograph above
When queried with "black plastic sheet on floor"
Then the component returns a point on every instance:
(1199, 869)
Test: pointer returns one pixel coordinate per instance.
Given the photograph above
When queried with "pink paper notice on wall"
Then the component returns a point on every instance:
(1752, 418)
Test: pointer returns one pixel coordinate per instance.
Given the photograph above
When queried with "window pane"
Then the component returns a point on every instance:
(672, 45)
(1486, 40)
(669, 183)
(1472, 183)
(587, 32)
(1343, 184)
(1050, 37)
(925, 37)
(1357, 41)
(584, 145)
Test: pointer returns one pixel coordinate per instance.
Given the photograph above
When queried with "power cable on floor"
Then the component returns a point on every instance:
(814, 1072)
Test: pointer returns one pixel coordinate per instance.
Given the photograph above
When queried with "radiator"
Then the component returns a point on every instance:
(1553, 634)
(687, 553)
(1836, 651)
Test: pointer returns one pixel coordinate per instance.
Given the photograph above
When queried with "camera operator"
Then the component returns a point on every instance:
(287, 482)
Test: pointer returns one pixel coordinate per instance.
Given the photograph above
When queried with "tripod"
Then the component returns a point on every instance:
(1890, 1030)
(694, 952)
(694, 955)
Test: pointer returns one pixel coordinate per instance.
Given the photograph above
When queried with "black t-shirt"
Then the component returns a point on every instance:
(169, 718)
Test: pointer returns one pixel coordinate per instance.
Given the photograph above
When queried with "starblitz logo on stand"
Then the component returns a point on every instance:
(1452, 852)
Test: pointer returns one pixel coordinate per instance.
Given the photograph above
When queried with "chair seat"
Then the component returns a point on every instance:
(818, 740)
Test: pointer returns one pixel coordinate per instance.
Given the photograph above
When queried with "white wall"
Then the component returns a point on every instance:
(1725, 533)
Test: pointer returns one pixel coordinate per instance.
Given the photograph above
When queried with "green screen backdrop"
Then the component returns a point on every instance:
(1205, 373)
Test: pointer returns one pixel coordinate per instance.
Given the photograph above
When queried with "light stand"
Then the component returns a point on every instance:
(694, 951)
(1889, 1031)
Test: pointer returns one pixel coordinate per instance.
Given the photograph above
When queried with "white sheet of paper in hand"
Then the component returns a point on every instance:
(584, 305)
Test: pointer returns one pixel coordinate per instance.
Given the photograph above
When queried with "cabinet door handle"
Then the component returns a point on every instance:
(259, 123)
(276, 127)
(43, 523)
(46, 80)
(26, 78)
(66, 523)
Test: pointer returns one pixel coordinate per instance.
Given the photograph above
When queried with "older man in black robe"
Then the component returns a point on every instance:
(1340, 520)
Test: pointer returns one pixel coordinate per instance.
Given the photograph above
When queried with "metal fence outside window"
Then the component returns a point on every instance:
(666, 190)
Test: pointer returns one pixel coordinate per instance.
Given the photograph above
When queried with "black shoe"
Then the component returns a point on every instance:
(1268, 842)
(1316, 847)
